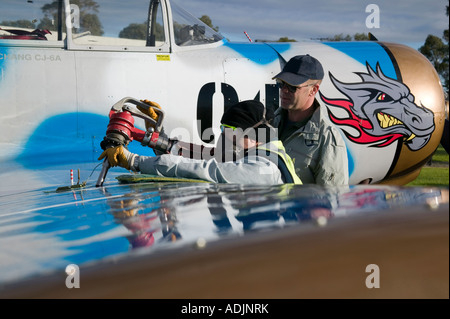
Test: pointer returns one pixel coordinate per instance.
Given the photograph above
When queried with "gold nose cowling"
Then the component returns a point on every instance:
(419, 75)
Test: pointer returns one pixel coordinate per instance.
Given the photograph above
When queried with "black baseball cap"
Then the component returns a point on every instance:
(247, 114)
(251, 114)
(300, 69)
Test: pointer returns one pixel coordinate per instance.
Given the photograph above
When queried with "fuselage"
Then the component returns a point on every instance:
(55, 94)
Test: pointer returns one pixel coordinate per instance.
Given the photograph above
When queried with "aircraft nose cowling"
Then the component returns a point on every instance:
(419, 75)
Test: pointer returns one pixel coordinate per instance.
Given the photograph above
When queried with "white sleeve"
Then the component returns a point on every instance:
(249, 170)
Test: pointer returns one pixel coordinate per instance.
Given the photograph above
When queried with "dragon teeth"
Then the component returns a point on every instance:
(387, 120)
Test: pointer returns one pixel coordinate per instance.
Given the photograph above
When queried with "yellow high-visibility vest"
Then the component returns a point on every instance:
(286, 165)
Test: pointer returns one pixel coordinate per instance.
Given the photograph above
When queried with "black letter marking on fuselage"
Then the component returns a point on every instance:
(205, 104)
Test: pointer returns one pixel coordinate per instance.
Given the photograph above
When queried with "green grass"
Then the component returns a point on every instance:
(440, 156)
(434, 176)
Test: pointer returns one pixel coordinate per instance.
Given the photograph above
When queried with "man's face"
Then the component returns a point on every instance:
(237, 139)
(299, 98)
(232, 143)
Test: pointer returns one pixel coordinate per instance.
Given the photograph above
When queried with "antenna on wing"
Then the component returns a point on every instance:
(248, 37)
(372, 37)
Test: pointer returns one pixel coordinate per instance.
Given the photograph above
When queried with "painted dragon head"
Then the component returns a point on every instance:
(382, 110)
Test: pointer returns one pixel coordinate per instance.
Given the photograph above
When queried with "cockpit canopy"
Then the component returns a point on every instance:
(189, 30)
(104, 23)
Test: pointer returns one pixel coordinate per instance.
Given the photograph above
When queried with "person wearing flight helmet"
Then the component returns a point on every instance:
(251, 153)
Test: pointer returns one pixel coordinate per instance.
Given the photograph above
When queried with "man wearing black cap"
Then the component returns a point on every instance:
(315, 145)
(251, 153)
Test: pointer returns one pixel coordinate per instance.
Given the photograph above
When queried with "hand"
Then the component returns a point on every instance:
(119, 156)
(150, 111)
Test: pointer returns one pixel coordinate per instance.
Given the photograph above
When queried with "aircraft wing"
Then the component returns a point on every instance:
(169, 239)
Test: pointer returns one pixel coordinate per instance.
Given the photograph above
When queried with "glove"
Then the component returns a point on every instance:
(119, 156)
(150, 111)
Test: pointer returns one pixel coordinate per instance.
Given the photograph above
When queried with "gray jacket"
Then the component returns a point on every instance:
(251, 169)
(317, 149)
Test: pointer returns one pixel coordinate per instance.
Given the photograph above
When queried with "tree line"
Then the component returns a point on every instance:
(436, 50)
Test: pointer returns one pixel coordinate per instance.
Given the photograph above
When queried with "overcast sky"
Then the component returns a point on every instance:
(405, 21)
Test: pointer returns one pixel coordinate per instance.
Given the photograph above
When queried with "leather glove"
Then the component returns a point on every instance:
(150, 112)
(119, 156)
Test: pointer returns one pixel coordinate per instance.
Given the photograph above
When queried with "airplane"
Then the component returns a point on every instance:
(64, 65)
